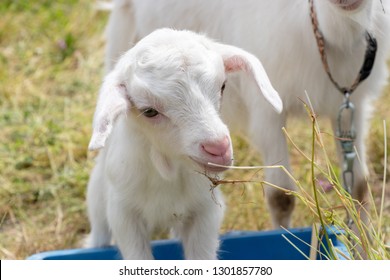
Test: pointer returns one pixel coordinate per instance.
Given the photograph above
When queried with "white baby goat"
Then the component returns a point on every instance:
(279, 33)
(157, 118)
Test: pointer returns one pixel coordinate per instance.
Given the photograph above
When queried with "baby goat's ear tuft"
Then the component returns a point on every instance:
(113, 101)
(236, 59)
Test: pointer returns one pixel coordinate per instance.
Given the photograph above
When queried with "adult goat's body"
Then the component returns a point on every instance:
(280, 34)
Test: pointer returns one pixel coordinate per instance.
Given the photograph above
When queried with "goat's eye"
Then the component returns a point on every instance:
(150, 112)
(223, 87)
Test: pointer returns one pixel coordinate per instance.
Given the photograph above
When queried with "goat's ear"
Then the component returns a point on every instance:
(236, 59)
(112, 102)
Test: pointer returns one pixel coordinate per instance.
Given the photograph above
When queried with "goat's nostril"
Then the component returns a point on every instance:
(217, 148)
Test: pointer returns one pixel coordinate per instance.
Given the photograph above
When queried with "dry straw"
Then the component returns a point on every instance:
(367, 237)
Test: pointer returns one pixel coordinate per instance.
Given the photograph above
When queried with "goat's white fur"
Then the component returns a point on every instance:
(148, 175)
(279, 33)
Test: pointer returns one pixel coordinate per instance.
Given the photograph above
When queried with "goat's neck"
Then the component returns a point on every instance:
(344, 30)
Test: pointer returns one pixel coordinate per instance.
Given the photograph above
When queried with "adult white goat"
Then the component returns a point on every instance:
(157, 118)
(279, 33)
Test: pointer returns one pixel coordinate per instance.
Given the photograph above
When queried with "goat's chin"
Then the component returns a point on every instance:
(209, 168)
(348, 5)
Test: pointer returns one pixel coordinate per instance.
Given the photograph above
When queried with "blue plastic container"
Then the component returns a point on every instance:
(238, 245)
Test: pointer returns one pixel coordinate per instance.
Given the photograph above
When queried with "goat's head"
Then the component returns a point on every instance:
(171, 84)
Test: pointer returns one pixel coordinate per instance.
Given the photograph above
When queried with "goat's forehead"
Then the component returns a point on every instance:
(178, 55)
(171, 70)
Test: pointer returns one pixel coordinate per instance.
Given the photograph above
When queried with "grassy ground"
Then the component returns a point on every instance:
(50, 70)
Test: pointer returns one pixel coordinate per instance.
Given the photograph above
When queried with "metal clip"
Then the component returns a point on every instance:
(346, 134)
(347, 109)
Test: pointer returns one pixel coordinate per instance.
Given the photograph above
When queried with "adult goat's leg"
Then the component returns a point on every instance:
(271, 142)
(360, 171)
(120, 32)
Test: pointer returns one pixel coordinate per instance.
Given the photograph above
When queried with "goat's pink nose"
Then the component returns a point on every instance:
(217, 148)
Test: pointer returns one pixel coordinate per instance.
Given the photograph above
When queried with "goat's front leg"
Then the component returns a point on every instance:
(200, 233)
(266, 135)
(120, 32)
(100, 235)
(129, 231)
(360, 169)
(359, 188)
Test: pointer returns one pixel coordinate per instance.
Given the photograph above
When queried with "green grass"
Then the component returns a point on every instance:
(51, 65)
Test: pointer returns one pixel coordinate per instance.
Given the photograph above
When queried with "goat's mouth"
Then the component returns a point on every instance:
(348, 5)
(209, 166)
